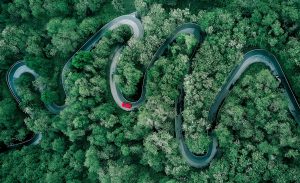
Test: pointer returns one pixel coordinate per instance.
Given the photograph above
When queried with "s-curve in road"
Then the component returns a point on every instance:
(191, 158)
(20, 68)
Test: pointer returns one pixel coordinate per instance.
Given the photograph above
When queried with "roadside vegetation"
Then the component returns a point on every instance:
(93, 140)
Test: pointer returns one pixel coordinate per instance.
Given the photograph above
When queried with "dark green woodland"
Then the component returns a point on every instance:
(93, 140)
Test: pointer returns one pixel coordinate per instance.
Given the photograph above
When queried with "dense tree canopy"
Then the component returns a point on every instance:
(93, 140)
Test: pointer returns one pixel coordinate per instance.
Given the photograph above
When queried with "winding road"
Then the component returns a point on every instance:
(20, 68)
(254, 56)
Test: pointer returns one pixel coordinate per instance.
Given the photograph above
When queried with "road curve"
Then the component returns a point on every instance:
(192, 159)
(251, 57)
(32, 139)
(188, 28)
(14, 72)
(20, 68)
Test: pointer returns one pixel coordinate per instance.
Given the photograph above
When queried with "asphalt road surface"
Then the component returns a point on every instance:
(198, 161)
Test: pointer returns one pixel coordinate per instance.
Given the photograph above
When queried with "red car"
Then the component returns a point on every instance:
(126, 105)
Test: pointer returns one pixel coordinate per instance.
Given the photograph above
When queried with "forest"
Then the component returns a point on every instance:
(93, 140)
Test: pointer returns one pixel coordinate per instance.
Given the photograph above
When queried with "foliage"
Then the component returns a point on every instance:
(93, 140)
